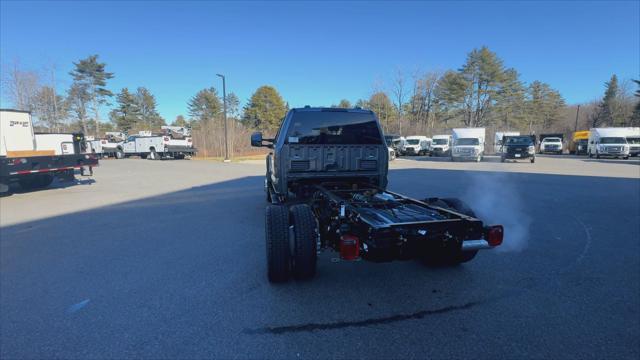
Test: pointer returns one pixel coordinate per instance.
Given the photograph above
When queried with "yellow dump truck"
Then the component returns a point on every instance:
(579, 142)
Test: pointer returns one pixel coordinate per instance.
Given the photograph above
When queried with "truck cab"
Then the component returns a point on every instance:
(313, 144)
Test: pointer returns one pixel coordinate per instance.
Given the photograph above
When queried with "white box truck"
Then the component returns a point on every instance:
(633, 138)
(468, 144)
(34, 160)
(498, 140)
(608, 142)
(441, 145)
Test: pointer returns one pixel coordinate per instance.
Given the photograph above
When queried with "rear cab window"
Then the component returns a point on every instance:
(333, 128)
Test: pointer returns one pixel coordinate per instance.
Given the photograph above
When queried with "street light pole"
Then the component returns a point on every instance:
(224, 102)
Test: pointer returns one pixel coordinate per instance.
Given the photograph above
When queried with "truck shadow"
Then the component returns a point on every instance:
(197, 257)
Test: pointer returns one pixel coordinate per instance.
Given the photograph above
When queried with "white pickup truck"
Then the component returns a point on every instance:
(156, 147)
(111, 145)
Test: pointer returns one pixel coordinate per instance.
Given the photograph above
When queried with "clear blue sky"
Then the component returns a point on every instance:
(318, 53)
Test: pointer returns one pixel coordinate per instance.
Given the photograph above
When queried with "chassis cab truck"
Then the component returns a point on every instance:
(468, 144)
(326, 190)
(33, 161)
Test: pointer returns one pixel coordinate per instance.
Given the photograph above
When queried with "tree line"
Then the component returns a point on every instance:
(482, 92)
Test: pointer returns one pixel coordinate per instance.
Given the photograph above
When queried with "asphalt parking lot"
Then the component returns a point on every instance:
(166, 259)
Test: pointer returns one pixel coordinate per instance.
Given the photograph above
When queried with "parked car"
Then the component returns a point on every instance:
(518, 148)
(322, 198)
(417, 145)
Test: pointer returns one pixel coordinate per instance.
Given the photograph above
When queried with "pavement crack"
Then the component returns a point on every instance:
(361, 323)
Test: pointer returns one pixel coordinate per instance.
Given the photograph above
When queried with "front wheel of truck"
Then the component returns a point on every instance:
(277, 236)
(304, 242)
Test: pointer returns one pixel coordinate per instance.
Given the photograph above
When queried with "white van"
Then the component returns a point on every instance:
(611, 142)
(468, 144)
(633, 138)
(499, 137)
(417, 145)
(441, 145)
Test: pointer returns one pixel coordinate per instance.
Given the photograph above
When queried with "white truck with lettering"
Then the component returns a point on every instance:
(468, 144)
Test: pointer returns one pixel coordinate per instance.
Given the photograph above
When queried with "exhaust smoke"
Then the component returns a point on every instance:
(496, 200)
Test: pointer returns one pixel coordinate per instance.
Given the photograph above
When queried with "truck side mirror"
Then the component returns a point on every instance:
(257, 139)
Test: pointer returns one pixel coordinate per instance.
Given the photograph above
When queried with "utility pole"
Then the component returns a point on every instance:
(577, 113)
(224, 102)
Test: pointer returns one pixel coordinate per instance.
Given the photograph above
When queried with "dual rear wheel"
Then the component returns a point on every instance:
(291, 235)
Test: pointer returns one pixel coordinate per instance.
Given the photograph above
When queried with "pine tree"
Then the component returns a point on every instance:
(265, 110)
(127, 115)
(205, 106)
(90, 75)
(149, 117)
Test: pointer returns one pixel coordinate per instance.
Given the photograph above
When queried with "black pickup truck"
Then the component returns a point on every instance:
(326, 181)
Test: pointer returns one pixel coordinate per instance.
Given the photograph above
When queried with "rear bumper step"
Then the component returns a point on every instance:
(471, 245)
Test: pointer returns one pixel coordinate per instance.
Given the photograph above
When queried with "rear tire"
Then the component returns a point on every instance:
(502, 159)
(304, 242)
(119, 154)
(277, 237)
(533, 159)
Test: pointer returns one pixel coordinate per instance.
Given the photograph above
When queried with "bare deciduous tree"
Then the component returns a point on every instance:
(20, 86)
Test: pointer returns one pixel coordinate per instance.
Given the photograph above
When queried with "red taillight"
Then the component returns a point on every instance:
(349, 247)
(19, 161)
(166, 138)
(495, 234)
